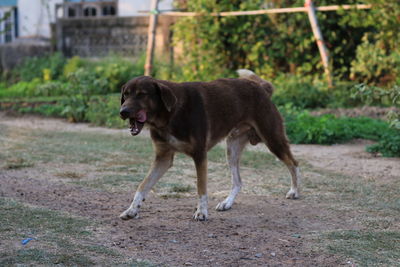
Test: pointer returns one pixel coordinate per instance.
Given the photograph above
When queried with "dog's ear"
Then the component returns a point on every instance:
(167, 96)
(122, 94)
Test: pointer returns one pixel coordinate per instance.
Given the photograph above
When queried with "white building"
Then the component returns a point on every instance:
(32, 18)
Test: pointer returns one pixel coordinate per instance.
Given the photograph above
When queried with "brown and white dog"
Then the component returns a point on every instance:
(192, 117)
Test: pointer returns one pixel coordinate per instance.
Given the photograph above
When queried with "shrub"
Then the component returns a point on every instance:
(388, 145)
(300, 92)
(21, 89)
(303, 128)
(33, 68)
(375, 65)
(117, 71)
(50, 110)
(72, 65)
(391, 96)
(104, 111)
(54, 88)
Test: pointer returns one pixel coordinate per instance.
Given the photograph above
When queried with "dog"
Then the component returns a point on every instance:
(192, 117)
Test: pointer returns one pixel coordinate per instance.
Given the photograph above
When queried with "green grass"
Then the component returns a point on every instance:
(367, 248)
(253, 159)
(59, 238)
(17, 163)
(73, 147)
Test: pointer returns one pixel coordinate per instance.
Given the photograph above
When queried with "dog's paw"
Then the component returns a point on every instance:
(292, 194)
(129, 214)
(200, 215)
(224, 205)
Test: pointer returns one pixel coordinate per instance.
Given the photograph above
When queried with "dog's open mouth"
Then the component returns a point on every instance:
(137, 122)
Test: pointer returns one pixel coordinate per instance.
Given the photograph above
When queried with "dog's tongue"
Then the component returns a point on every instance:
(141, 116)
(138, 123)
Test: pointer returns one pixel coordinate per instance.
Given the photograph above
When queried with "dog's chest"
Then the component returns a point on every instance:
(178, 144)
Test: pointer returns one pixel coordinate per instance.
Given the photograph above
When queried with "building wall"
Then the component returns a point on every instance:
(35, 17)
(97, 37)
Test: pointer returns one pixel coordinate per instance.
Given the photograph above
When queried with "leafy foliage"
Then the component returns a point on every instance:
(300, 92)
(388, 145)
(20, 89)
(303, 128)
(33, 68)
(371, 94)
(215, 46)
(374, 64)
(104, 110)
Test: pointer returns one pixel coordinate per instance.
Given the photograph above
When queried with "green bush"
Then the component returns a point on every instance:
(303, 128)
(375, 65)
(388, 145)
(53, 88)
(117, 71)
(215, 46)
(104, 111)
(49, 110)
(389, 96)
(72, 65)
(34, 67)
(300, 92)
(21, 89)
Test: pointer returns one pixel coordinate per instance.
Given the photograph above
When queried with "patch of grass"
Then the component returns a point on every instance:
(17, 163)
(339, 188)
(367, 248)
(69, 175)
(73, 147)
(111, 181)
(59, 238)
(33, 256)
(252, 159)
(179, 188)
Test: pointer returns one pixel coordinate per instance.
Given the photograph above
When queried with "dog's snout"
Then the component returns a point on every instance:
(124, 112)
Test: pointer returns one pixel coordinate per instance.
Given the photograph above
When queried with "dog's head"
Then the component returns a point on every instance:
(143, 99)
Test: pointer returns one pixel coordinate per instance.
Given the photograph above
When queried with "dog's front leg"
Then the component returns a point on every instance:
(160, 165)
(201, 213)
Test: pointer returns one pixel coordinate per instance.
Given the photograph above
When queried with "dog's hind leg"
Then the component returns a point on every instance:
(235, 145)
(276, 140)
(161, 164)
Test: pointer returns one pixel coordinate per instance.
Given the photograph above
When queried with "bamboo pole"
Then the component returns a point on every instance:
(262, 11)
(151, 38)
(319, 39)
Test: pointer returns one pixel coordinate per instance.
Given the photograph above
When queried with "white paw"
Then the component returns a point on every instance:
(292, 194)
(200, 215)
(129, 214)
(224, 205)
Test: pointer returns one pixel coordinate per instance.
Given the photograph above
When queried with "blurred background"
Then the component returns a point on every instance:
(70, 58)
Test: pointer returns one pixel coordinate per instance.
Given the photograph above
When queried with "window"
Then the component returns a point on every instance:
(71, 12)
(90, 12)
(109, 11)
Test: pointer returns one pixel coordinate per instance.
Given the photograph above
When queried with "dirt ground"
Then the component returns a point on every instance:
(260, 230)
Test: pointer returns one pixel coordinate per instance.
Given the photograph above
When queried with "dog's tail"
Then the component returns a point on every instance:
(249, 75)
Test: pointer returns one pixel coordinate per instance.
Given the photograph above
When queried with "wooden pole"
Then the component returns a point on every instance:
(260, 12)
(319, 39)
(151, 37)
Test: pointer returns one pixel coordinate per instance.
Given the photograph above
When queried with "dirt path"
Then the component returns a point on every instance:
(258, 231)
